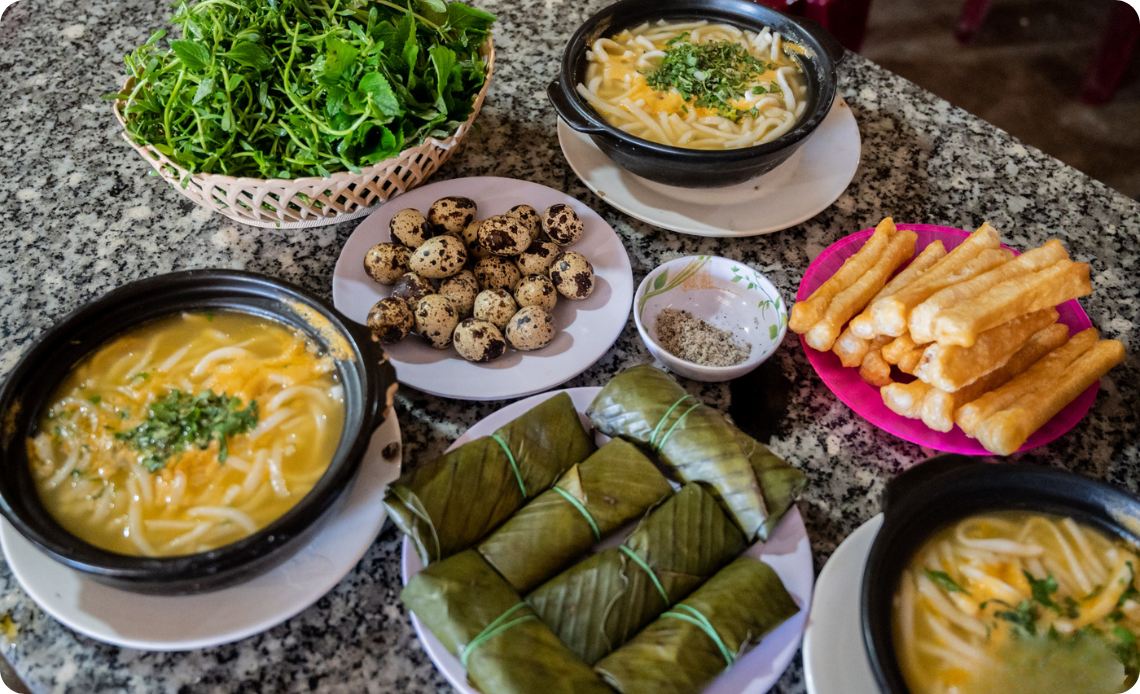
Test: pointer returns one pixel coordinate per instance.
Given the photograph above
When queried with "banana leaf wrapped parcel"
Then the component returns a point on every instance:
(482, 621)
(615, 485)
(686, 648)
(599, 604)
(645, 406)
(780, 483)
(449, 504)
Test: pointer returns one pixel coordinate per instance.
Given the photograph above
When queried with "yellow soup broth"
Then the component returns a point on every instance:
(129, 454)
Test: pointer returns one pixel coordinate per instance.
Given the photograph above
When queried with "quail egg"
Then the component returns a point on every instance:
(390, 320)
(461, 289)
(572, 275)
(497, 273)
(410, 227)
(562, 224)
(504, 235)
(496, 306)
(411, 288)
(536, 259)
(436, 318)
(452, 214)
(386, 262)
(529, 218)
(536, 290)
(531, 328)
(479, 340)
(470, 236)
(442, 256)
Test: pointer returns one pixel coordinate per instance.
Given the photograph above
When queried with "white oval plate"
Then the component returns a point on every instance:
(586, 329)
(835, 660)
(183, 623)
(797, 190)
(788, 551)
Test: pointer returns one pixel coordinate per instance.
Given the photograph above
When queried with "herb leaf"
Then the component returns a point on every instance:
(1024, 616)
(714, 74)
(1043, 589)
(943, 581)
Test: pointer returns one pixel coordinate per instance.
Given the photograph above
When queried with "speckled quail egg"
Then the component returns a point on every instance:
(479, 340)
(470, 236)
(462, 290)
(531, 328)
(442, 256)
(452, 214)
(497, 273)
(411, 288)
(496, 306)
(436, 319)
(504, 235)
(536, 259)
(386, 262)
(562, 224)
(390, 320)
(410, 228)
(529, 218)
(536, 290)
(572, 275)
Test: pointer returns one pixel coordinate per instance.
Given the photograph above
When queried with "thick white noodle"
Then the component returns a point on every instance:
(789, 94)
(230, 514)
(220, 354)
(173, 359)
(948, 610)
(276, 478)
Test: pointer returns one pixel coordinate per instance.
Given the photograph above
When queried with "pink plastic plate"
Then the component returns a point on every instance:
(865, 399)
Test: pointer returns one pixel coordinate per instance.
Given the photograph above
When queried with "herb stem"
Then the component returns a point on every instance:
(168, 110)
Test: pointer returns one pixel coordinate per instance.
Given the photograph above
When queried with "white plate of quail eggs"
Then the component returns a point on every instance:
(486, 288)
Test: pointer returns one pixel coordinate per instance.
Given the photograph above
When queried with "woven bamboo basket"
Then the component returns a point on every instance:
(312, 202)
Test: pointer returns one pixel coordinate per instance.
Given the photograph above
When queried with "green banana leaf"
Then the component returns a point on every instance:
(449, 504)
(615, 485)
(673, 655)
(461, 598)
(780, 483)
(602, 602)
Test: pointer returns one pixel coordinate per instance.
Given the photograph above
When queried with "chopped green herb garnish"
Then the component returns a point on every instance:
(209, 318)
(1126, 649)
(76, 473)
(712, 74)
(943, 581)
(1024, 616)
(1130, 593)
(95, 399)
(142, 375)
(1043, 589)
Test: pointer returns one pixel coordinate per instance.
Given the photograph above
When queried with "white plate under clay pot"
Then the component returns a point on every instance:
(184, 623)
(787, 551)
(797, 190)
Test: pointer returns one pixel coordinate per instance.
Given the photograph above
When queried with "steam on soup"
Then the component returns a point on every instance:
(697, 85)
(187, 433)
(1018, 602)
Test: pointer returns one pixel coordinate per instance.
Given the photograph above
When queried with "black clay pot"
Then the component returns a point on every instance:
(695, 168)
(948, 488)
(369, 385)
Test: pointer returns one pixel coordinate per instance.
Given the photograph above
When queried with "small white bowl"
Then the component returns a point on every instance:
(724, 293)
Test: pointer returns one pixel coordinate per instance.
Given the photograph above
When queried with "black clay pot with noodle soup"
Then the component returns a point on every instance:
(1004, 579)
(189, 431)
(762, 79)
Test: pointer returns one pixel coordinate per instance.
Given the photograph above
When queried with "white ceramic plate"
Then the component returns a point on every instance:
(835, 661)
(586, 329)
(797, 190)
(163, 623)
(787, 551)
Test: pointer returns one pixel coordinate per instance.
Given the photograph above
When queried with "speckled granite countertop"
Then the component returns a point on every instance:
(79, 215)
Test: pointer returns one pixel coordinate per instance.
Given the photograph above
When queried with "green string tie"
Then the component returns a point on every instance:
(493, 629)
(661, 443)
(578, 505)
(514, 465)
(658, 445)
(641, 562)
(694, 616)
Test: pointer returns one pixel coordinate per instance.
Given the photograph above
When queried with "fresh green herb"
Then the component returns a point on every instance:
(1130, 593)
(123, 414)
(713, 74)
(95, 399)
(943, 581)
(1126, 649)
(140, 376)
(1072, 609)
(1043, 589)
(182, 420)
(1024, 616)
(209, 318)
(292, 88)
(76, 473)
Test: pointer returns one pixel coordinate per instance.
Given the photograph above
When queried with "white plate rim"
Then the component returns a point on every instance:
(786, 638)
(364, 499)
(489, 382)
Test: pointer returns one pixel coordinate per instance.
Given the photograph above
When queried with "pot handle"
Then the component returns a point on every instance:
(831, 45)
(566, 109)
(920, 474)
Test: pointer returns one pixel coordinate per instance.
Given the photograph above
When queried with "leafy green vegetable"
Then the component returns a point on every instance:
(182, 420)
(943, 581)
(1043, 589)
(291, 88)
(715, 74)
(1024, 616)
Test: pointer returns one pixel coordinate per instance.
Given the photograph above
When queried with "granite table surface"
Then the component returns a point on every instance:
(79, 215)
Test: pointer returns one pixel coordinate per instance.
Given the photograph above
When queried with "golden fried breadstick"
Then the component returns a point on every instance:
(905, 398)
(894, 350)
(951, 367)
(850, 349)
(909, 362)
(1059, 282)
(939, 406)
(862, 325)
(1049, 367)
(922, 317)
(810, 311)
(874, 370)
(1004, 432)
(853, 299)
